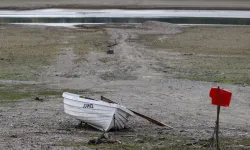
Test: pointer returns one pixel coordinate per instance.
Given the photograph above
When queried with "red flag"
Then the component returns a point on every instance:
(220, 97)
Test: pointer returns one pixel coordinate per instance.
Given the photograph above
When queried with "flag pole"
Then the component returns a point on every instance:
(220, 98)
(217, 127)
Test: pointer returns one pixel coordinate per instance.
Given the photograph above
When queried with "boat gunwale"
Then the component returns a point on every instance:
(76, 97)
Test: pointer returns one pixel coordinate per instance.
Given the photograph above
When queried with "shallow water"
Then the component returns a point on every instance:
(193, 20)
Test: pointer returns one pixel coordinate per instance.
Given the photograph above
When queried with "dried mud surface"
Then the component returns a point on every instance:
(133, 77)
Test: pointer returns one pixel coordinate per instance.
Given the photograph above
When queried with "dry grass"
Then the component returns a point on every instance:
(24, 51)
(206, 40)
(96, 40)
(217, 54)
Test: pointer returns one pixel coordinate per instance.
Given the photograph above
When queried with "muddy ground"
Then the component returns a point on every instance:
(128, 4)
(142, 74)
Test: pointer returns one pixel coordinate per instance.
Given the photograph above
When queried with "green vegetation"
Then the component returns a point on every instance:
(54, 92)
(224, 70)
(14, 93)
(6, 96)
(216, 54)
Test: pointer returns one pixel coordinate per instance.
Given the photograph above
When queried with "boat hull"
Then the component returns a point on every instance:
(101, 115)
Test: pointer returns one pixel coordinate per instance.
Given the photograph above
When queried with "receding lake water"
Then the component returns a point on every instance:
(190, 20)
(126, 16)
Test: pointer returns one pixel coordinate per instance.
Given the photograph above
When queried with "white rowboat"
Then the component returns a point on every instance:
(96, 113)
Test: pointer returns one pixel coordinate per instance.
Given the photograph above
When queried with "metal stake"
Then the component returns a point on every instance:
(217, 128)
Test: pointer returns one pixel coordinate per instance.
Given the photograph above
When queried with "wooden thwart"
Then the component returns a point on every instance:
(138, 114)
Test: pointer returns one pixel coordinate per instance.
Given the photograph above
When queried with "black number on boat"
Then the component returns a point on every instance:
(88, 106)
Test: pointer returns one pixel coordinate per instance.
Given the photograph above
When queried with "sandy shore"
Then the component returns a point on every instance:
(128, 4)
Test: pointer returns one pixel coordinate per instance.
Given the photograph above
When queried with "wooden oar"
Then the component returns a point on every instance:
(141, 115)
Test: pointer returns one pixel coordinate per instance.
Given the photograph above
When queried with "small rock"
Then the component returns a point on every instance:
(138, 140)
(36, 74)
(110, 52)
(39, 99)
(208, 131)
(162, 138)
(187, 54)
(75, 76)
(92, 141)
(67, 129)
(97, 141)
(13, 136)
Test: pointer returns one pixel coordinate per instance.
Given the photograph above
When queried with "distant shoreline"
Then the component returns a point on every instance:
(131, 7)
